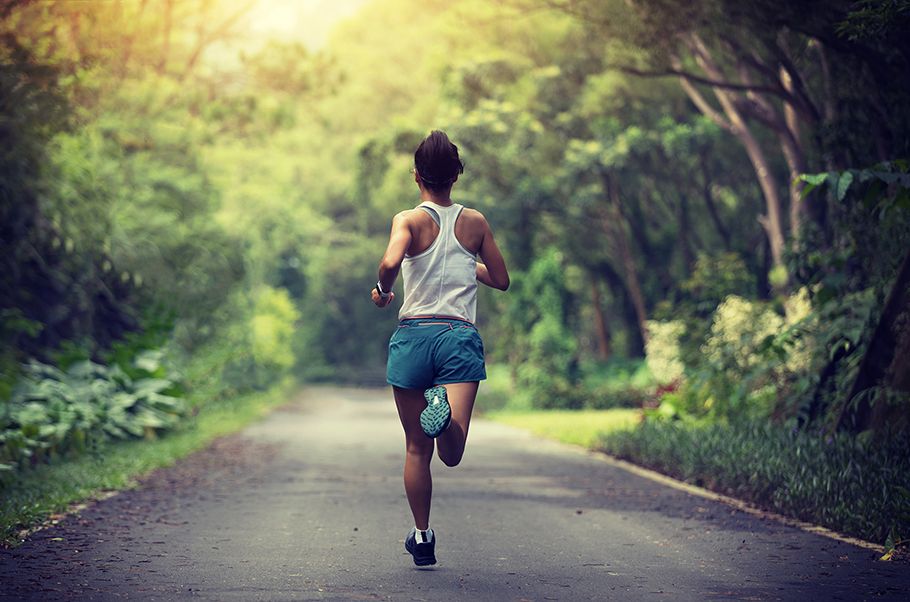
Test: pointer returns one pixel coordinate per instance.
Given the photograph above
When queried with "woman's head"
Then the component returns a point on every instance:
(437, 163)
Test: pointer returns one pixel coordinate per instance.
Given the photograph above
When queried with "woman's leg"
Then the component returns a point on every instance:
(461, 398)
(418, 484)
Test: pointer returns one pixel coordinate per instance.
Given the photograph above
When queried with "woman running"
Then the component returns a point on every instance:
(436, 355)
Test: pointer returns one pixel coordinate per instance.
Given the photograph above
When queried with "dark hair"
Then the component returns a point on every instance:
(437, 163)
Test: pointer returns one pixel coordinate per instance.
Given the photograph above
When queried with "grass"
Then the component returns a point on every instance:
(578, 427)
(856, 486)
(50, 489)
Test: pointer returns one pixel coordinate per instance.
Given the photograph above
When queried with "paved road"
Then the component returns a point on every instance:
(308, 505)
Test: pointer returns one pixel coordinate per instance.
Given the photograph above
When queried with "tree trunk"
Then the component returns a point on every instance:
(616, 228)
(796, 162)
(790, 143)
(736, 125)
(601, 329)
(684, 231)
(712, 206)
(886, 361)
(635, 345)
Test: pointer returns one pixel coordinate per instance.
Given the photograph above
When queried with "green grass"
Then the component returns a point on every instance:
(50, 489)
(578, 427)
(853, 485)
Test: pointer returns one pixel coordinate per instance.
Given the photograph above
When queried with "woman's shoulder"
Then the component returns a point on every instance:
(408, 215)
(472, 214)
(473, 218)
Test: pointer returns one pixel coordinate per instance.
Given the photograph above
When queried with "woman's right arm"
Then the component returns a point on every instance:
(399, 241)
(492, 271)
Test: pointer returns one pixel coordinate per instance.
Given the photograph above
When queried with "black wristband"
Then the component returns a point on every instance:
(382, 294)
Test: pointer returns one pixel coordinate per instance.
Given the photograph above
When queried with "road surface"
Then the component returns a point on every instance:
(308, 504)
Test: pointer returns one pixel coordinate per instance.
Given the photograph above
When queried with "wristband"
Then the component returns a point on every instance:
(382, 295)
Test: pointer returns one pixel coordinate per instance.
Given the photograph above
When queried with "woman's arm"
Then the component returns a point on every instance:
(399, 241)
(492, 271)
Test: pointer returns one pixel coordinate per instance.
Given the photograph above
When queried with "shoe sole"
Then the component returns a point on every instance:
(420, 560)
(424, 561)
(436, 416)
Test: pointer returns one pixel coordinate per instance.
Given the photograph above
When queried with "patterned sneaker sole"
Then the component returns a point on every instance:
(437, 415)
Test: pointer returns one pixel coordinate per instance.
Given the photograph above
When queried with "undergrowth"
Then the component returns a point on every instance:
(850, 484)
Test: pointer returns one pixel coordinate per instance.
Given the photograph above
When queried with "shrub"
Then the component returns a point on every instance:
(608, 397)
(52, 412)
(663, 352)
(854, 485)
(544, 350)
(272, 329)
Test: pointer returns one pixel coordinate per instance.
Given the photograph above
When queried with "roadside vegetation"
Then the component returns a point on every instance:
(705, 207)
(51, 488)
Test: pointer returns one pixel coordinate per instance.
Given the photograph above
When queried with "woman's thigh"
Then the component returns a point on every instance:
(461, 398)
(410, 403)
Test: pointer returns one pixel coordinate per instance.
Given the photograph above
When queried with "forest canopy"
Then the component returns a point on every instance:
(718, 187)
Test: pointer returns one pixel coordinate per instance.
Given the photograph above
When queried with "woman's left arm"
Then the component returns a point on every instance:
(399, 241)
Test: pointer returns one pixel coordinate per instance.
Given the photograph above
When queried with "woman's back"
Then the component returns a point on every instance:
(439, 270)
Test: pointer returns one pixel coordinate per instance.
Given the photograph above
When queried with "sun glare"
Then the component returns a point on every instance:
(306, 21)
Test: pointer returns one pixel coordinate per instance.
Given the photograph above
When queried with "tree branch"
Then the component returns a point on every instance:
(208, 37)
(698, 79)
(703, 105)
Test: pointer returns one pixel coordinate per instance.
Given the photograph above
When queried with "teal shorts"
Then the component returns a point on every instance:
(425, 352)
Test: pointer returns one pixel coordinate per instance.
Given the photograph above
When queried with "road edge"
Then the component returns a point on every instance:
(744, 506)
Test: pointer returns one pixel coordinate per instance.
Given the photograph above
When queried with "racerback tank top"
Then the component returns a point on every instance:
(441, 281)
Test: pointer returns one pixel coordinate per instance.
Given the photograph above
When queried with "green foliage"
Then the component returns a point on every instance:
(544, 352)
(713, 278)
(163, 188)
(662, 349)
(828, 481)
(51, 488)
(53, 413)
(617, 383)
(272, 331)
(870, 229)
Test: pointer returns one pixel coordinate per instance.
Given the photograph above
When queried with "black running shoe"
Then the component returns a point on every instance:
(424, 553)
(436, 416)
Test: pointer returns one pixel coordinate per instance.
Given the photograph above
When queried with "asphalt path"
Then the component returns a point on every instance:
(308, 504)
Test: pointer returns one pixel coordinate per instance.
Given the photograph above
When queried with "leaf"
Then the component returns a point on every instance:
(816, 179)
(165, 402)
(151, 418)
(147, 386)
(115, 431)
(149, 360)
(87, 369)
(122, 400)
(843, 184)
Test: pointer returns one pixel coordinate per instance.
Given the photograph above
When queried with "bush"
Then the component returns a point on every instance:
(544, 350)
(845, 483)
(663, 350)
(610, 396)
(52, 413)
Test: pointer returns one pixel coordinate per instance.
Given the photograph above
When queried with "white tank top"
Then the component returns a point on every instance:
(441, 281)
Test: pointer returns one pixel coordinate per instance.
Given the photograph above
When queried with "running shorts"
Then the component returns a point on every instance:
(424, 352)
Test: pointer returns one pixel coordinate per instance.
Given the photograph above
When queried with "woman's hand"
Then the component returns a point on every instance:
(379, 301)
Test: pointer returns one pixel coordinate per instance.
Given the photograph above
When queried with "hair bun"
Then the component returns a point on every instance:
(437, 162)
